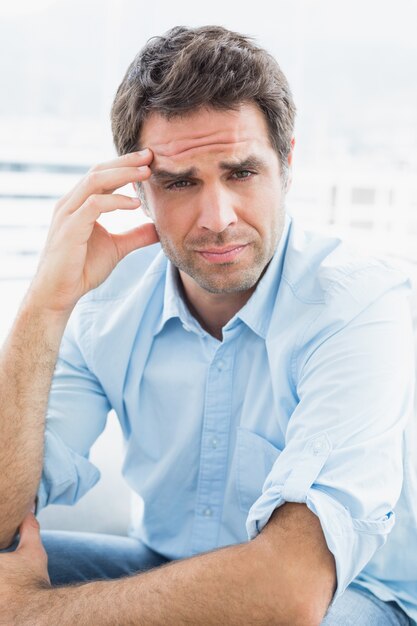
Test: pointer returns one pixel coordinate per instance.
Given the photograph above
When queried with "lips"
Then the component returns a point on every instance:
(223, 250)
(223, 255)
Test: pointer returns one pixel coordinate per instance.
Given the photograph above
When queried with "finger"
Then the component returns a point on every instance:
(81, 223)
(104, 181)
(30, 538)
(144, 235)
(70, 231)
(97, 204)
(131, 159)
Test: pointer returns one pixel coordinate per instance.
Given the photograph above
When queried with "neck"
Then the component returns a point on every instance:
(212, 310)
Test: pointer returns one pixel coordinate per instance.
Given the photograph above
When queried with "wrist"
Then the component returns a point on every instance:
(38, 307)
(37, 319)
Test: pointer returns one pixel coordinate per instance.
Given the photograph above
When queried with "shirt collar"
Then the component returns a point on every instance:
(173, 305)
(256, 313)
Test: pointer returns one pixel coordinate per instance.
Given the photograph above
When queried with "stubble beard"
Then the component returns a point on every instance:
(221, 278)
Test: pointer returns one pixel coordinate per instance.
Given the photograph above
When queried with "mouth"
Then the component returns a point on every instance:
(222, 255)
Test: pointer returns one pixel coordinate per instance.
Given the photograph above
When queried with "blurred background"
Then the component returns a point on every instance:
(352, 67)
(353, 71)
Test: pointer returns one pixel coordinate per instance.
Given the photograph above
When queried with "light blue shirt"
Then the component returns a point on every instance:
(306, 399)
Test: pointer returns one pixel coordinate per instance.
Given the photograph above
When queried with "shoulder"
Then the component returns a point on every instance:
(329, 289)
(325, 285)
(326, 270)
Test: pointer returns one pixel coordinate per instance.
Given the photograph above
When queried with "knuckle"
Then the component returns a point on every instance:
(93, 201)
(92, 178)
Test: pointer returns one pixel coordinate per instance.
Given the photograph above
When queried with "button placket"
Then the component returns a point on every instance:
(214, 449)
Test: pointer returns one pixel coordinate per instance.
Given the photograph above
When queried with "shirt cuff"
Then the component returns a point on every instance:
(351, 541)
(66, 475)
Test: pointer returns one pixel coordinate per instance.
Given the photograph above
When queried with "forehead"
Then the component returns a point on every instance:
(206, 132)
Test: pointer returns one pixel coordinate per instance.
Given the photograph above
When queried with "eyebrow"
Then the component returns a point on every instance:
(250, 162)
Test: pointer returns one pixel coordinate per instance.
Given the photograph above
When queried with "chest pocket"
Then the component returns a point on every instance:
(255, 458)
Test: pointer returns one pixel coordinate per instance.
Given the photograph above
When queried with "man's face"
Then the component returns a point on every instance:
(216, 195)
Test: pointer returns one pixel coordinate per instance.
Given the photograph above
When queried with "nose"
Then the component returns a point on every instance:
(216, 209)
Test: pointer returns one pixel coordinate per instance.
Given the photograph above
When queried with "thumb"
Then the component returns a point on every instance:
(144, 235)
(30, 539)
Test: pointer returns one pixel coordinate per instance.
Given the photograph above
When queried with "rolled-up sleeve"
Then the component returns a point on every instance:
(344, 441)
(76, 416)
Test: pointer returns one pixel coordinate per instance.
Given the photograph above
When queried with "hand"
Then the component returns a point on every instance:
(24, 577)
(80, 253)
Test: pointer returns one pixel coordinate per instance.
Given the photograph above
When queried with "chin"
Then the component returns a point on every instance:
(226, 279)
(246, 281)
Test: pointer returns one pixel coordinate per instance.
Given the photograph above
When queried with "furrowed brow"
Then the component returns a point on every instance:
(251, 162)
(162, 176)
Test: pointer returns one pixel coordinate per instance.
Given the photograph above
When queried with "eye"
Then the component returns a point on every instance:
(178, 184)
(243, 174)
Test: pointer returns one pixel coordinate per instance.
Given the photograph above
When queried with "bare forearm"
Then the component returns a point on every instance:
(27, 362)
(78, 256)
(228, 586)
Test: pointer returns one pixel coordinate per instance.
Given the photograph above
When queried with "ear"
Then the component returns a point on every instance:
(139, 192)
(291, 152)
(145, 207)
(290, 161)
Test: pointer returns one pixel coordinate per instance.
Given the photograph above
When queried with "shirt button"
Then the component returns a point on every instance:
(214, 442)
(208, 512)
(320, 446)
(220, 365)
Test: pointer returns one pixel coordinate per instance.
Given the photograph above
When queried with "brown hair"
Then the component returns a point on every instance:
(210, 66)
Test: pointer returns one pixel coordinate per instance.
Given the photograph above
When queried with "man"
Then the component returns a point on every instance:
(262, 376)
